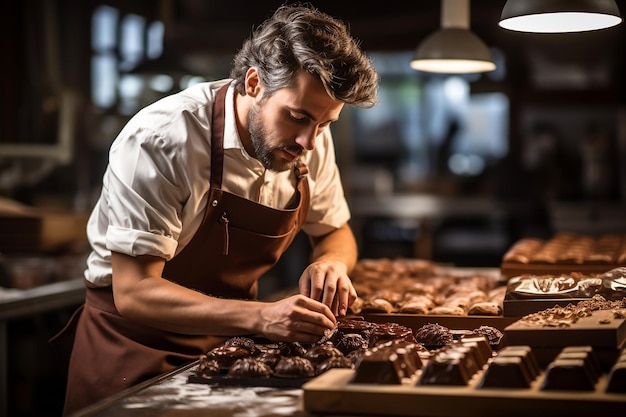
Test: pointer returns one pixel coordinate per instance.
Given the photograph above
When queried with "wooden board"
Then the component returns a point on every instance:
(332, 392)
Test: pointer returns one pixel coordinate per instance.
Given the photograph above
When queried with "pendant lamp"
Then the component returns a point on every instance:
(453, 49)
(559, 16)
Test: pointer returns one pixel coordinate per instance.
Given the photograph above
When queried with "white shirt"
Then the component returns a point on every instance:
(156, 185)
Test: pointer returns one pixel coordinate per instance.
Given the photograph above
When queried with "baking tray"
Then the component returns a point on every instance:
(332, 392)
(271, 381)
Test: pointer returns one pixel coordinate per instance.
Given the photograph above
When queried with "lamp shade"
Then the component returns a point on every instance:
(559, 16)
(453, 51)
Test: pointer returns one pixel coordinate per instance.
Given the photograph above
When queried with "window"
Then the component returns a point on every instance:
(120, 43)
(429, 126)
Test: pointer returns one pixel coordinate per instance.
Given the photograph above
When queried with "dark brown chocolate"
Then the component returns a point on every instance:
(383, 366)
(585, 354)
(249, 368)
(483, 348)
(270, 357)
(390, 331)
(433, 334)
(506, 372)
(333, 362)
(244, 342)
(227, 355)
(350, 342)
(319, 353)
(445, 369)
(207, 367)
(617, 378)
(294, 367)
(568, 375)
(526, 356)
(492, 334)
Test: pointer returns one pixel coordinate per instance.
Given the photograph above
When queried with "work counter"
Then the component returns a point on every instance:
(172, 395)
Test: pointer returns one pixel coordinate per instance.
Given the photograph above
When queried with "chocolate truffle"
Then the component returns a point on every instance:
(244, 342)
(492, 334)
(319, 353)
(350, 326)
(390, 331)
(291, 349)
(294, 367)
(270, 357)
(333, 362)
(249, 368)
(433, 334)
(227, 355)
(207, 367)
(351, 341)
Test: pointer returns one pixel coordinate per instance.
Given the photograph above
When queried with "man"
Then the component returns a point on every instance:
(204, 191)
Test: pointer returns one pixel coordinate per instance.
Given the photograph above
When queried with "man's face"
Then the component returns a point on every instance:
(284, 125)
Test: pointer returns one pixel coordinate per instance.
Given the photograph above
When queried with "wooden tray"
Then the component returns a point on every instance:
(332, 392)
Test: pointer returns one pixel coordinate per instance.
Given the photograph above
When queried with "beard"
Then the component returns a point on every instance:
(263, 149)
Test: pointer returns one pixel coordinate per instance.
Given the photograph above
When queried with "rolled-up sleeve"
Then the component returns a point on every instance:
(146, 195)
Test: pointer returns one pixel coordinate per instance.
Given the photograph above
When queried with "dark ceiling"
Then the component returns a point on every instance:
(393, 24)
(220, 26)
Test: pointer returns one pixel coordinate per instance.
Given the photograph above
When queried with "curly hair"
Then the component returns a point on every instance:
(300, 37)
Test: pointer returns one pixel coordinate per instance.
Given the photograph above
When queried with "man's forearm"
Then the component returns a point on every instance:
(339, 245)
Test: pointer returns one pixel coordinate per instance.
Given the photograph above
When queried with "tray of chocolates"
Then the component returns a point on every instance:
(247, 361)
(244, 361)
(565, 253)
(598, 322)
(416, 292)
(466, 379)
(528, 294)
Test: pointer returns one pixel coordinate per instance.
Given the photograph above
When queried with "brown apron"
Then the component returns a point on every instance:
(236, 243)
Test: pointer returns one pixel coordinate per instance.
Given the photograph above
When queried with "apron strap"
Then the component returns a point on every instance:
(300, 169)
(217, 137)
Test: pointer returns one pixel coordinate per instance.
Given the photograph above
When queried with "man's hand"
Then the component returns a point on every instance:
(296, 319)
(328, 282)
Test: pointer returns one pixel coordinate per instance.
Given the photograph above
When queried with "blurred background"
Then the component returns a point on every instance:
(452, 168)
